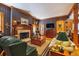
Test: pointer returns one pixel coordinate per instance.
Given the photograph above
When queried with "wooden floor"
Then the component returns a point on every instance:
(41, 49)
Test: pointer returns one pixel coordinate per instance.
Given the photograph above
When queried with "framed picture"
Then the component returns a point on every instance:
(24, 21)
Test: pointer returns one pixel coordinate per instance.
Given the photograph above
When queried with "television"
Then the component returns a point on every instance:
(50, 25)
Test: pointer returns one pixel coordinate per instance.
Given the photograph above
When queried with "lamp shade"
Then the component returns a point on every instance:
(62, 36)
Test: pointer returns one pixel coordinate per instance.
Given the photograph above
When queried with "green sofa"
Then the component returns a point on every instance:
(15, 47)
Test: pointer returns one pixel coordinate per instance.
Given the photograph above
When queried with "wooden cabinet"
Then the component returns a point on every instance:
(50, 33)
(1, 22)
(60, 26)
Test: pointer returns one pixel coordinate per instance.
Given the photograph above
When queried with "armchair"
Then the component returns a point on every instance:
(15, 47)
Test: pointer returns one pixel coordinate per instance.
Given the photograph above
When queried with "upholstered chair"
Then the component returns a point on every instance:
(15, 47)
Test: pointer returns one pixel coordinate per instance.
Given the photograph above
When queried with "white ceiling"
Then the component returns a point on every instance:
(44, 10)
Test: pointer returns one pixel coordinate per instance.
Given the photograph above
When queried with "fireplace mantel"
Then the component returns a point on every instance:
(20, 27)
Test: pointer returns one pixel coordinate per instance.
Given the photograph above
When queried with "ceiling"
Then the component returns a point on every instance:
(44, 10)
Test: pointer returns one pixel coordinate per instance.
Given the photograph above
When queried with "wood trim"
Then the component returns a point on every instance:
(71, 10)
(64, 17)
(75, 34)
(1, 4)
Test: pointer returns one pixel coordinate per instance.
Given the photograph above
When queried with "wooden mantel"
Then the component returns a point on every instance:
(75, 33)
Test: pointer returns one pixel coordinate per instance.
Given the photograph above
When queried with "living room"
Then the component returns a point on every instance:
(36, 26)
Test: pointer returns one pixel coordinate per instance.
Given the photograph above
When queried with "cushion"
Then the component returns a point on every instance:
(31, 51)
(58, 42)
(66, 43)
(70, 49)
(17, 49)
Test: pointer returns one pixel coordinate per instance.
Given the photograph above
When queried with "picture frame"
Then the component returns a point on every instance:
(24, 21)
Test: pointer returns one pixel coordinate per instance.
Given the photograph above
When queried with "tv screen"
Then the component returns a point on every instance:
(50, 25)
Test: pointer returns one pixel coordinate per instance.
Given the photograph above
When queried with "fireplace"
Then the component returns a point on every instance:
(23, 34)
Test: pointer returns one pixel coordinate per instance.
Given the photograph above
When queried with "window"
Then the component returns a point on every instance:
(1, 22)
